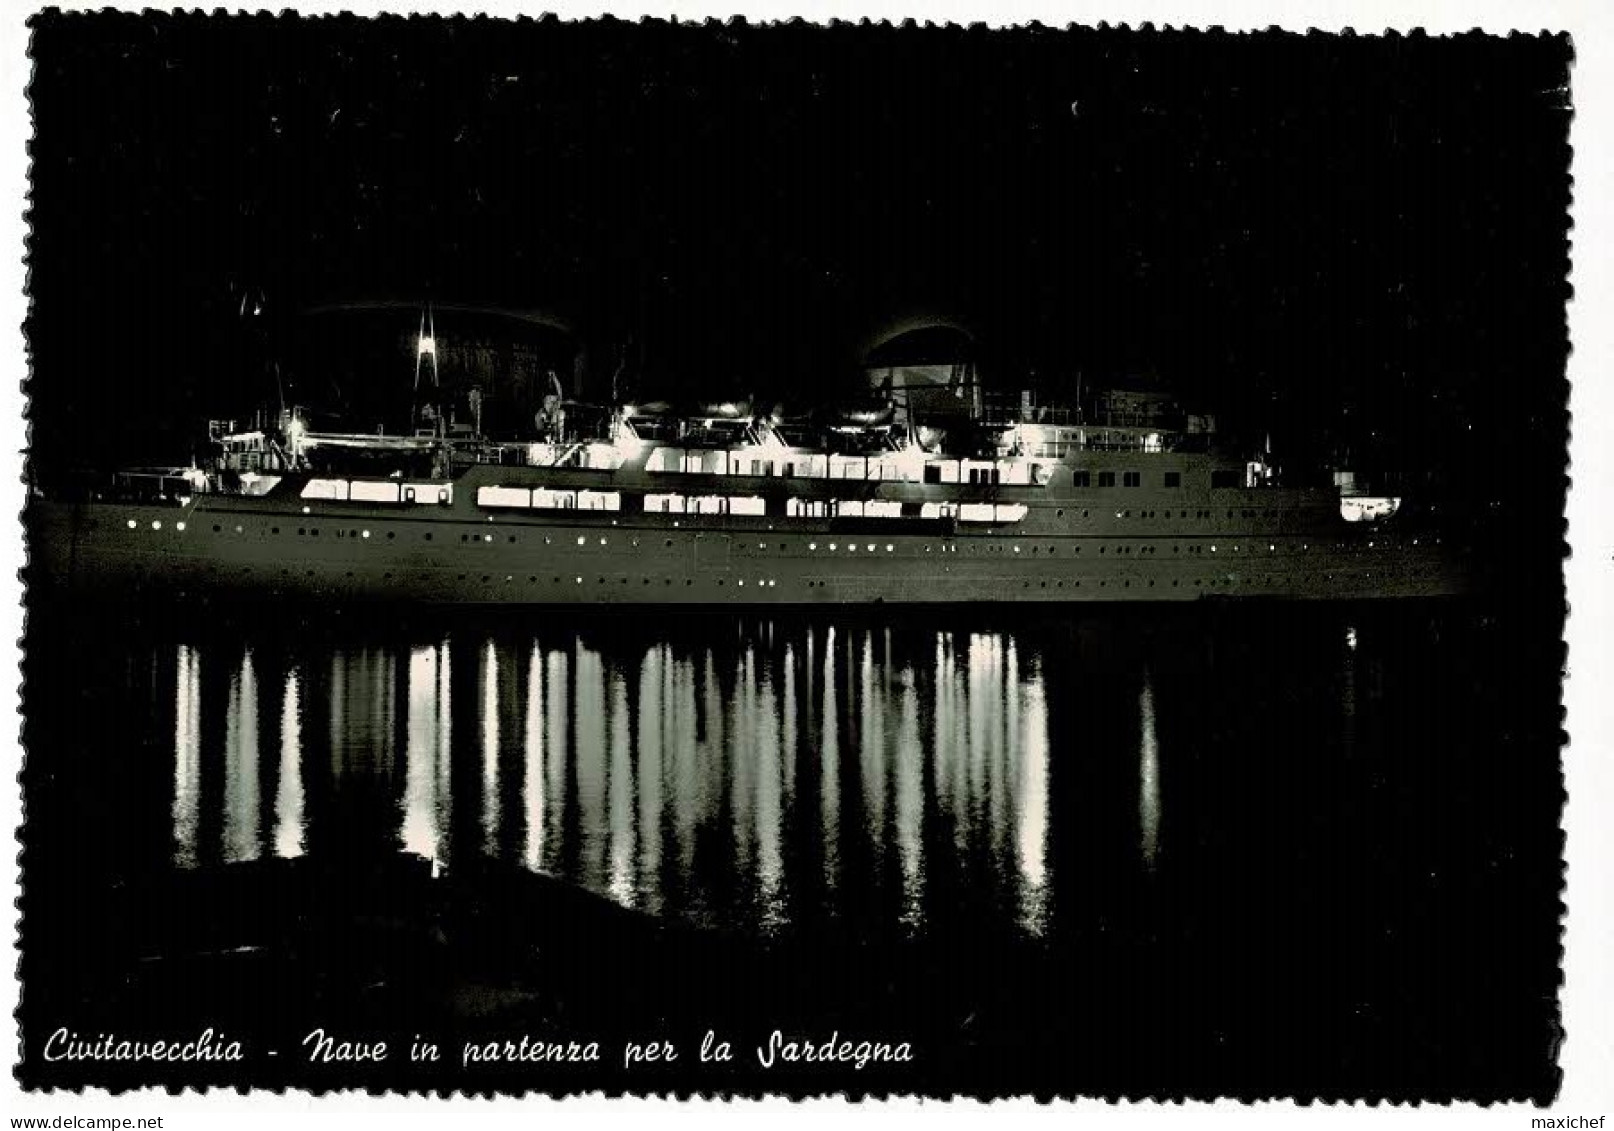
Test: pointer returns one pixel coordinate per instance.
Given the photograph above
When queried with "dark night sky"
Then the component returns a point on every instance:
(1278, 226)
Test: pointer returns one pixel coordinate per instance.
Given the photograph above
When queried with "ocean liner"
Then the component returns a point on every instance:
(934, 495)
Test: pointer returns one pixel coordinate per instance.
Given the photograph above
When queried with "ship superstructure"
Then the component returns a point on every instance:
(718, 505)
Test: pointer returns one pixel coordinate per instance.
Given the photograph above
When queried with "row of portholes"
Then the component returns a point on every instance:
(313, 532)
(1103, 584)
(309, 531)
(770, 583)
(1268, 512)
(851, 547)
(1125, 584)
(870, 547)
(741, 583)
(533, 579)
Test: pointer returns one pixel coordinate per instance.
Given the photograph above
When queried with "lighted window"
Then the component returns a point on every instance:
(664, 504)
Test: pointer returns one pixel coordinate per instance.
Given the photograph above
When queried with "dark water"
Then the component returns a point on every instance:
(1352, 808)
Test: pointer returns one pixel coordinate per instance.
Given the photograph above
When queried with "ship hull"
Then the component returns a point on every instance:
(225, 550)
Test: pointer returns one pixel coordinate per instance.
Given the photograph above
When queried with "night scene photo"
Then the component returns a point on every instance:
(780, 559)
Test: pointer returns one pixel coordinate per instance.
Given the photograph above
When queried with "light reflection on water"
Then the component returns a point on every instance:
(241, 841)
(726, 783)
(289, 798)
(1206, 807)
(1148, 775)
(429, 732)
(187, 753)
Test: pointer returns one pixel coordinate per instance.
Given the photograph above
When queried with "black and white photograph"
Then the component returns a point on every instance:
(768, 558)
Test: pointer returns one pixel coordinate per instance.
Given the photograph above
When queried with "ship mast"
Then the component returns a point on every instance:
(426, 349)
(429, 419)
